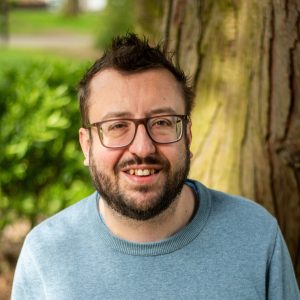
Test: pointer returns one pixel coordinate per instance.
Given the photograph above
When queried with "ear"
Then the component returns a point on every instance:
(189, 136)
(189, 132)
(85, 143)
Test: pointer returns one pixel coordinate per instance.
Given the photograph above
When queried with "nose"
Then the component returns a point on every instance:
(142, 144)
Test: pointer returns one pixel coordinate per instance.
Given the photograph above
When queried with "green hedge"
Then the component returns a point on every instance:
(41, 161)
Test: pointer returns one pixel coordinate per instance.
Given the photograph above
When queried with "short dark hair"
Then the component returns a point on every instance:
(131, 54)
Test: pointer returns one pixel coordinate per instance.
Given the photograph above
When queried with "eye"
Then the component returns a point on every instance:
(162, 122)
(117, 126)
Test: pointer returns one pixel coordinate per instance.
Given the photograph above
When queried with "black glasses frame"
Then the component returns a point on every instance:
(184, 118)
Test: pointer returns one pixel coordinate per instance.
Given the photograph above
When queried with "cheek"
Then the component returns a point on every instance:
(105, 159)
(173, 152)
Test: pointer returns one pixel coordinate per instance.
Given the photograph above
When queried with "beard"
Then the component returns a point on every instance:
(124, 204)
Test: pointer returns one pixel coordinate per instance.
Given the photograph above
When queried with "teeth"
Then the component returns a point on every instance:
(140, 172)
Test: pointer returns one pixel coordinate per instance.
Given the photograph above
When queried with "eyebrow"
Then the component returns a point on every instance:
(120, 114)
(163, 110)
(117, 114)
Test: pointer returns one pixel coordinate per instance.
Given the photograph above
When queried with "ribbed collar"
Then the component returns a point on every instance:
(168, 245)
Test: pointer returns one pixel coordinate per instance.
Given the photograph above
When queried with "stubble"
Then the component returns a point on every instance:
(163, 196)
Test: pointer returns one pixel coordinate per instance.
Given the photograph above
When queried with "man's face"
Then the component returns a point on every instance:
(141, 180)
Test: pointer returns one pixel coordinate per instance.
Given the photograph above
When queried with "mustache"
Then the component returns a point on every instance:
(148, 160)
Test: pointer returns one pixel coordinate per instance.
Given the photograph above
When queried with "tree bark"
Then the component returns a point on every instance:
(71, 8)
(243, 58)
(4, 27)
(148, 15)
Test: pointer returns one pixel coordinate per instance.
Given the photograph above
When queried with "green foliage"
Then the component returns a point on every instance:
(40, 162)
(117, 18)
(30, 22)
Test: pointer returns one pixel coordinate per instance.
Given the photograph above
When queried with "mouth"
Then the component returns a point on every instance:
(142, 172)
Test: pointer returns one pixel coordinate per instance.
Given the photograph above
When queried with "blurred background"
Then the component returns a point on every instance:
(45, 46)
(244, 68)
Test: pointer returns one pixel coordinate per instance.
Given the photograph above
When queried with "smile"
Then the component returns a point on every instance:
(141, 172)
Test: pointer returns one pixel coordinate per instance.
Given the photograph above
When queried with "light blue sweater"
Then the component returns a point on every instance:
(232, 249)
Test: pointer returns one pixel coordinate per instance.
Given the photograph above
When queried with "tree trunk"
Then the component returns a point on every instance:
(243, 58)
(4, 28)
(71, 8)
(148, 14)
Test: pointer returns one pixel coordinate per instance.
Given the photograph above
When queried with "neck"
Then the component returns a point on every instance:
(160, 227)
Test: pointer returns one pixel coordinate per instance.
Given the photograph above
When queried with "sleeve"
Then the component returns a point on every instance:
(28, 282)
(281, 283)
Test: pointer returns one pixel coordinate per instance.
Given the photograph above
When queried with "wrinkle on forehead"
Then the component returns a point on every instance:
(133, 92)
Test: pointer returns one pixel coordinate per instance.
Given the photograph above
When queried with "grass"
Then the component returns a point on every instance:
(32, 22)
(50, 23)
(10, 55)
(14, 54)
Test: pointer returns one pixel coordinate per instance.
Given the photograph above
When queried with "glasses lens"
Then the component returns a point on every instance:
(165, 129)
(120, 133)
(117, 133)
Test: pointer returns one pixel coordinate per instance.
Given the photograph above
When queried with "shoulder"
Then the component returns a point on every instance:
(240, 208)
(237, 202)
(62, 224)
(228, 203)
(239, 215)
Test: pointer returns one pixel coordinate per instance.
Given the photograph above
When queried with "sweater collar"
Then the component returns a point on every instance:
(175, 242)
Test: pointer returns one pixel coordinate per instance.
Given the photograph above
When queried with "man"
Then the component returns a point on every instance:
(148, 232)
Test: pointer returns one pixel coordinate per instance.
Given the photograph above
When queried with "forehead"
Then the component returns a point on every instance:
(114, 93)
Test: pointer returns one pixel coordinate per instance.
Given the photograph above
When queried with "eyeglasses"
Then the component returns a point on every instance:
(118, 133)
